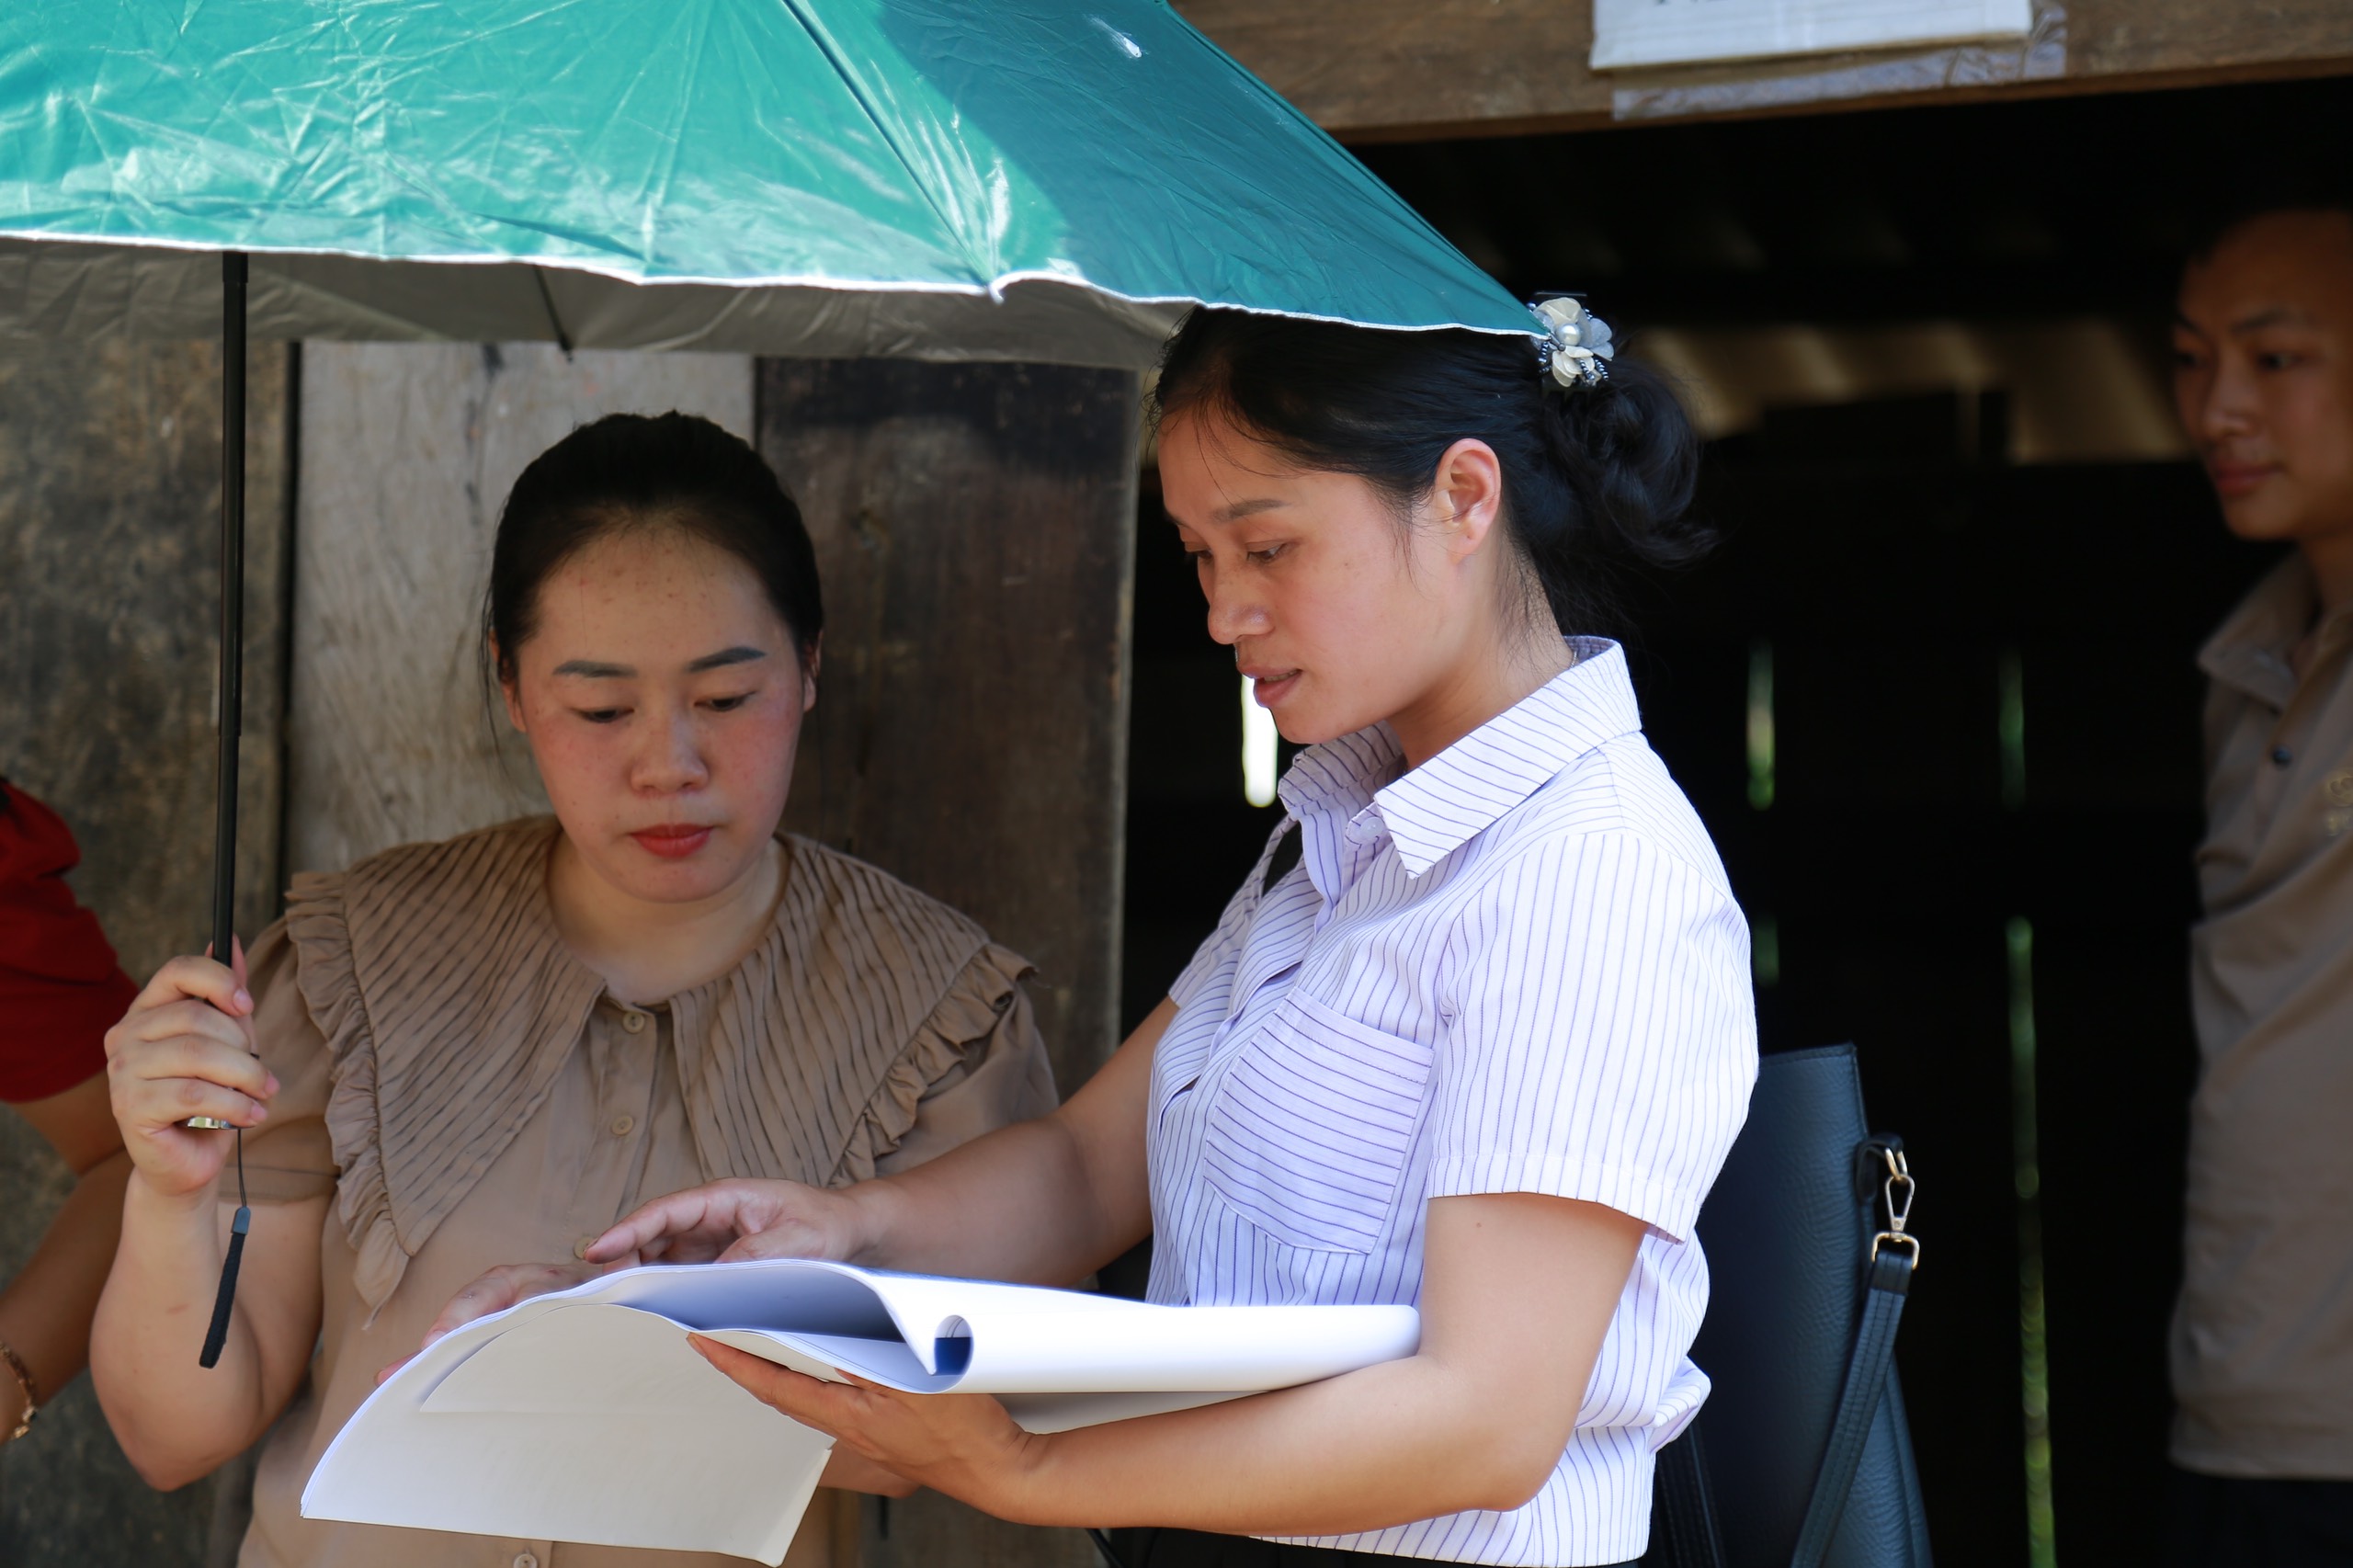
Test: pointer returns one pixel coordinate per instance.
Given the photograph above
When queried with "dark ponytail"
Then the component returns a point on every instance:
(630, 471)
(1595, 477)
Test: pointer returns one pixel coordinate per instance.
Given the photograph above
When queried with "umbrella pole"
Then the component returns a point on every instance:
(232, 600)
(232, 722)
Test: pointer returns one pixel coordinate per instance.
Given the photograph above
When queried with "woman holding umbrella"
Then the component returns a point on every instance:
(1476, 1034)
(494, 1046)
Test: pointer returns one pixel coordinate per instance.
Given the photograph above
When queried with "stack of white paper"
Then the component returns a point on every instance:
(586, 1416)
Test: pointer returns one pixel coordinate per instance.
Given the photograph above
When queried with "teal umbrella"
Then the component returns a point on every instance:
(1039, 179)
(961, 180)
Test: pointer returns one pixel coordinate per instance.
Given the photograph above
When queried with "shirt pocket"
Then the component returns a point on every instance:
(1313, 1125)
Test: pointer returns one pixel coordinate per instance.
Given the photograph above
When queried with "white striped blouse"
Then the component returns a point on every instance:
(1516, 968)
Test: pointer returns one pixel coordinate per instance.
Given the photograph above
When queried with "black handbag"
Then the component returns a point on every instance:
(1801, 1457)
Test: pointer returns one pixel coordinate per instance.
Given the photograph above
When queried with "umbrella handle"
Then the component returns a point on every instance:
(230, 715)
(232, 723)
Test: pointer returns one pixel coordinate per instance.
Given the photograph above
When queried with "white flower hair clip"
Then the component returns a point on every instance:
(1577, 345)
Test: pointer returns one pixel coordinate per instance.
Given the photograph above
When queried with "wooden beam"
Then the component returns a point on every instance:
(1408, 70)
(975, 532)
(975, 527)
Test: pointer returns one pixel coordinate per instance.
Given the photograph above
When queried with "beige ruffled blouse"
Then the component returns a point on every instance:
(471, 1095)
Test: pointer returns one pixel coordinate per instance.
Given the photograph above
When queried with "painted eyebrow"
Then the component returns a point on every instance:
(740, 654)
(2279, 315)
(1241, 510)
(592, 669)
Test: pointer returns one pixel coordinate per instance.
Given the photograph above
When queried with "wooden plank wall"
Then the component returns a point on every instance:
(110, 497)
(1397, 70)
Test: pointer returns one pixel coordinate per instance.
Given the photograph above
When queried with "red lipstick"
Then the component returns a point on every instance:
(672, 840)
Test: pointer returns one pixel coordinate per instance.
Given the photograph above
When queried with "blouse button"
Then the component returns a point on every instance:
(622, 1124)
(635, 1024)
(580, 1250)
(527, 1559)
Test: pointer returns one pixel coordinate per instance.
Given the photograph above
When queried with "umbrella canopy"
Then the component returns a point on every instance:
(1036, 179)
(1000, 180)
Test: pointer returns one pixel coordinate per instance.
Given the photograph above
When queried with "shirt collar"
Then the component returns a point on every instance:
(1433, 810)
(2249, 651)
(1339, 777)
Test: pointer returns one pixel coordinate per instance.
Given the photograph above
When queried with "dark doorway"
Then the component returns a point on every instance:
(1941, 718)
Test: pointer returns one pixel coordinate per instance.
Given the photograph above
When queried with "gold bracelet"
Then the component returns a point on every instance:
(25, 1381)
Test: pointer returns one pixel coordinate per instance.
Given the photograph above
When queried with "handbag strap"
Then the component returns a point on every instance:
(1685, 1500)
(1686, 1509)
(1894, 1255)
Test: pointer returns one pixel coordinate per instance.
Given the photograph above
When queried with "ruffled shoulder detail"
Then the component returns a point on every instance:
(825, 1039)
(448, 1002)
(322, 943)
(946, 1045)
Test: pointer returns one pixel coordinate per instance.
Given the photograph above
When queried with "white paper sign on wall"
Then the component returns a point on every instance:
(1676, 32)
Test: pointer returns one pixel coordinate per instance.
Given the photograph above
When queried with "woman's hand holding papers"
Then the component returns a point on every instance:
(501, 1288)
(722, 1221)
(1517, 1301)
(961, 1443)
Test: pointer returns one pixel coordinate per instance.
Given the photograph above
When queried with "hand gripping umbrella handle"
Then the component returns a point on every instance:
(232, 617)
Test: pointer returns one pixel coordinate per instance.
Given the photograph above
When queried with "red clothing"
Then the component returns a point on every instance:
(61, 988)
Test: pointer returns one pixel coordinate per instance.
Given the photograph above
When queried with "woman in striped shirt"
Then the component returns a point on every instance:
(1475, 1034)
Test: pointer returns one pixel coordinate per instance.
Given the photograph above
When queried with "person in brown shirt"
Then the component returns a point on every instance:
(2262, 1353)
(496, 1046)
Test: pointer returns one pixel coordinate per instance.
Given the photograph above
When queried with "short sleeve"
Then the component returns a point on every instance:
(977, 1064)
(1602, 1040)
(288, 1158)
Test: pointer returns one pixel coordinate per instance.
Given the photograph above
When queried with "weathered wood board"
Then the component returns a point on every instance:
(975, 527)
(109, 498)
(1390, 70)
